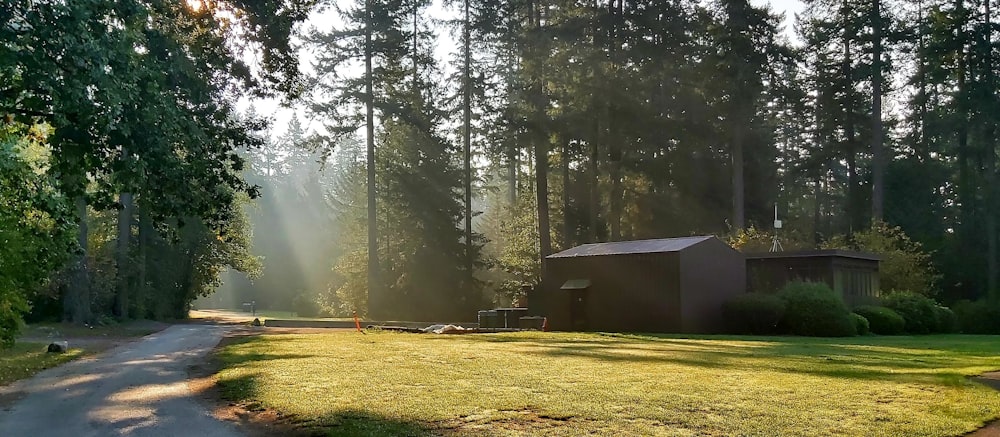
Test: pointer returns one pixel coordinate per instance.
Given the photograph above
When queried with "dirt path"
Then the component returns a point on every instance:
(136, 389)
(992, 429)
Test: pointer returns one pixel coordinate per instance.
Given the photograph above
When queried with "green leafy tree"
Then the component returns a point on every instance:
(36, 225)
(904, 266)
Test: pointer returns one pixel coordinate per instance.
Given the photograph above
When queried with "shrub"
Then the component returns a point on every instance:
(305, 305)
(861, 323)
(979, 317)
(882, 320)
(813, 309)
(754, 313)
(918, 311)
(947, 321)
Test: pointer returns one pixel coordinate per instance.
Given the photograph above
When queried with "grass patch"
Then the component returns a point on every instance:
(70, 331)
(535, 383)
(26, 359)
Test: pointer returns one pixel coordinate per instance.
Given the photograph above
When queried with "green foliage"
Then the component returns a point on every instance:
(882, 320)
(978, 317)
(813, 309)
(904, 265)
(917, 310)
(305, 305)
(35, 226)
(754, 313)
(753, 240)
(863, 327)
(946, 320)
(513, 248)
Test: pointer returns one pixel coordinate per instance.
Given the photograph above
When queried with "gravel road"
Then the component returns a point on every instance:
(138, 389)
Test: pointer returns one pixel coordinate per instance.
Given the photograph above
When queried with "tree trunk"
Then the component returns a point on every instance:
(512, 163)
(853, 207)
(878, 149)
(122, 288)
(990, 167)
(614, 169)
(467, 140)
(818, 194)
(594, 189)
(374, 285)
(738, 190)
(850, 149)
(541, 152)
(567, 233)
(922, 146)
(76, 301)
(966, 190)
(614, 142)
(595, 193)
(145, 238)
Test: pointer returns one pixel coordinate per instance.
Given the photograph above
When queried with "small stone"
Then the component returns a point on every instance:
(58, 347)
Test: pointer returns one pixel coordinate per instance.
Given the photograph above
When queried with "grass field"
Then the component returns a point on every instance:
(572, 384)
(26, 359)
(28, 356)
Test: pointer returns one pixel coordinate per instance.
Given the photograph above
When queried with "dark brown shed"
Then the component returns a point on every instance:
(664, 285)
(854, 275)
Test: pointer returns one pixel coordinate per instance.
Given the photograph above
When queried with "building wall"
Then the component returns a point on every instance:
(855, 279)
(636, 292)
(711, 274)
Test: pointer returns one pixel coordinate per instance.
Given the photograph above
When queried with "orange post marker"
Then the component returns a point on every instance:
(357, 324)
(545, 324)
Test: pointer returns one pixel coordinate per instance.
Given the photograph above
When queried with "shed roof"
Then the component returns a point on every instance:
(631, 247)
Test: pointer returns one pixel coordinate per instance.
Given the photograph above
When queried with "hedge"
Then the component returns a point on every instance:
(918, 311)
(813, 309)
(979, 317)
(883, 321)
(861, 323)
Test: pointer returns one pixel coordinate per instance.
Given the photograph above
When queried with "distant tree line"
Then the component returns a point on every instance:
(556, 123)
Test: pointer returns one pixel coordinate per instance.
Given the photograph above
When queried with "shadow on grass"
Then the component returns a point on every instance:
(357, 423)
(234, 356)
(246, 389)
(938, 360)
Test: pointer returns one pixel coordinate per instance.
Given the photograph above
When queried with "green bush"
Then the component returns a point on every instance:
(979, 317)
(947, 321)
(918, 311)
(813, 309)
(882, 320)
(861, 323)
(754, 313)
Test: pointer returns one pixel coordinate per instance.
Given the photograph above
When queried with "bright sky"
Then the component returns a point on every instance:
(281, 115)
(788, 7)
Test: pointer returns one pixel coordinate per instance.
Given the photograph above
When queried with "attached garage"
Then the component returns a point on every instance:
(663, 285)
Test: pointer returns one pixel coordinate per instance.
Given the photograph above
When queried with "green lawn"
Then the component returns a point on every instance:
(29, 356)
(69, 331)
(572, 384)
(26, 359)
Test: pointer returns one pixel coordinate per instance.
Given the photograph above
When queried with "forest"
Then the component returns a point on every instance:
(423, 186)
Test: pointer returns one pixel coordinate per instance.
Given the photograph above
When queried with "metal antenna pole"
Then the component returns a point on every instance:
(776, 244)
